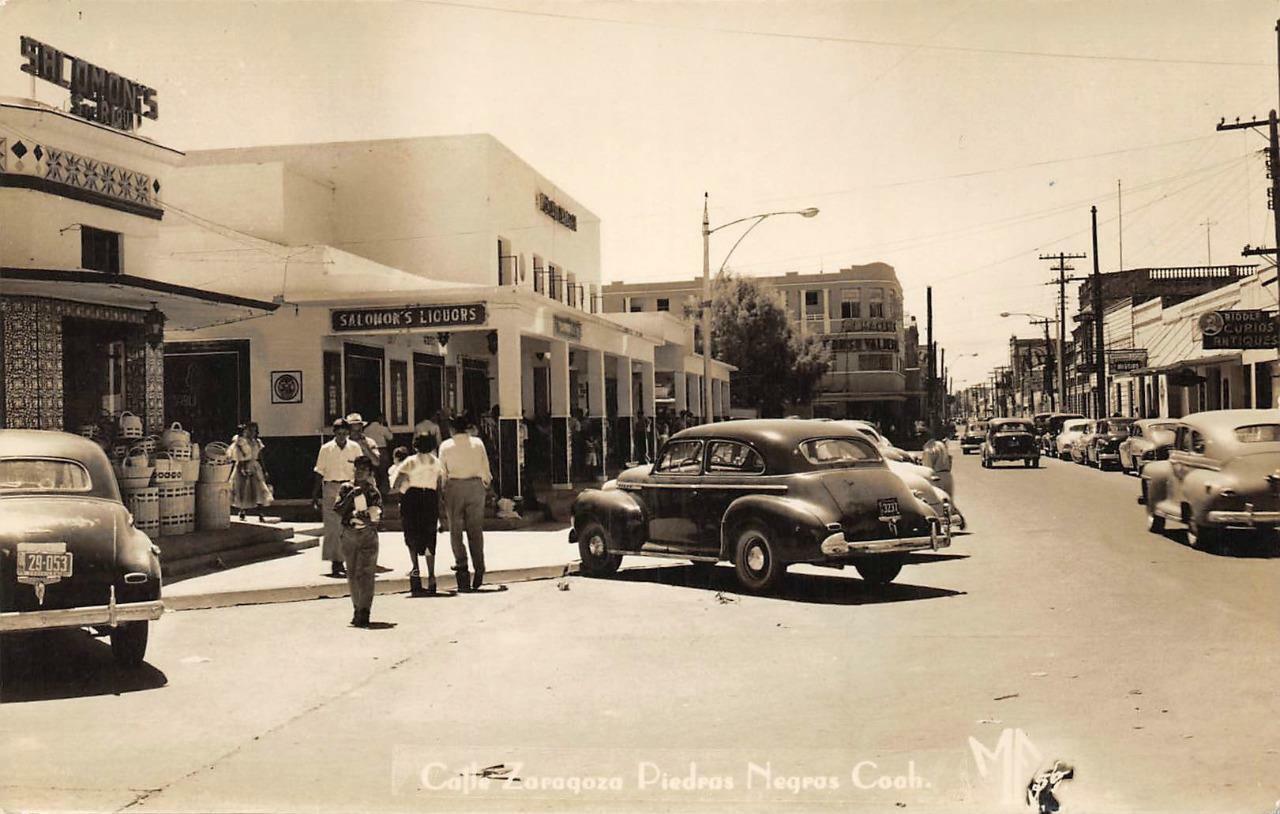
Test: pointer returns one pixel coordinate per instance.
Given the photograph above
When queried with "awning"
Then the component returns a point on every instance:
(1216, 359)
(185, 308)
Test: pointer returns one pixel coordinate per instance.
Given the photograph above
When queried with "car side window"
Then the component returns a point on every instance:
(1135, 431)
(1197, 443)
(730, 456)
(681, 458)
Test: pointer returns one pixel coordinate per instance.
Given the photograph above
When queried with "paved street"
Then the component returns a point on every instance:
(1059, 625)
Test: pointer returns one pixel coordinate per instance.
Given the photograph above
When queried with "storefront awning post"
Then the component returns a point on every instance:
(561, 451)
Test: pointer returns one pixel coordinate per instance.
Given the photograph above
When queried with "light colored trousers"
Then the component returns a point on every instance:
(464, 505)
(360, 557)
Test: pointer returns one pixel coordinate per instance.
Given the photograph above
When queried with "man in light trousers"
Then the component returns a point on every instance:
(466, 482)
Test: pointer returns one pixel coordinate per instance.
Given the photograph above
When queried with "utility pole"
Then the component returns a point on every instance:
(928, 382)
(1208, 240)
(1273, 175)
(1099, 342)
(942, 379)
(1120, 214)
(1062, 268)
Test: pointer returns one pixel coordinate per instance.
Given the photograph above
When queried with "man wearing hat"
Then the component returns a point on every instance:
(367, 445)
(334, 467)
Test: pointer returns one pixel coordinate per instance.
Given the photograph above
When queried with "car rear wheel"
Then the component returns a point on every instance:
(880, 570)
(755, 559)
(594, 547)
(129, 643)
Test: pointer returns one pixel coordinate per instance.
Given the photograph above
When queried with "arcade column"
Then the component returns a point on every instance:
(624, 435)
(510, 398)
(561, 453)
(648, 409)
(596, 406)
(680, 386)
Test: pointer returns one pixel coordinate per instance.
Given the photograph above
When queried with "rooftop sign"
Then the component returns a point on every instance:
(1241, 329)
(97, 94)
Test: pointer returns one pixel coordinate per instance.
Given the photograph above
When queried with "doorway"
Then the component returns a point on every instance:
(428, 386)
(364, 385)
(475, 386)
(93, 370)
(206, 387)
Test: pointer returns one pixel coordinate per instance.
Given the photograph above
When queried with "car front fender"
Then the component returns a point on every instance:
(797, 524)
(1155, 482)
(618, 510)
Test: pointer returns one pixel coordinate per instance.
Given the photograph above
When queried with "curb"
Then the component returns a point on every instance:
(338, 589)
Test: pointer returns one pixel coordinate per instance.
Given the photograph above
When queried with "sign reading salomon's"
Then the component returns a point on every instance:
(407, 317)
(96, 93)
(557, 212)
(1243, 329)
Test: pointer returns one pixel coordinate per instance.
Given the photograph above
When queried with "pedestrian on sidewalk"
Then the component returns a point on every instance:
(378, 432)
(359, 504)
(249, 488)
(428, 427)
(465, 465)
(368, 446)
(334, 467)
(418, 478)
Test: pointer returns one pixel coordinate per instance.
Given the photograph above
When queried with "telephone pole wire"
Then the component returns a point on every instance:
(1062, 268)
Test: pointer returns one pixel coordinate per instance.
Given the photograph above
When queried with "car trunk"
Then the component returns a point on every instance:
(867, 500)
(43, 526)
(1013, 443)
(1251, 474)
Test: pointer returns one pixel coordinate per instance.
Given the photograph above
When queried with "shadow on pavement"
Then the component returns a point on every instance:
(815, 588)
(54, 664)
(1238, 547)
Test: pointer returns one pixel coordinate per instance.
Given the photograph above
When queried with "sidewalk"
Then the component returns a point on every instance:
(510, 556)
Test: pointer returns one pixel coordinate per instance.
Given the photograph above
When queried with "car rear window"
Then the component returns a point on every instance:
(42, 475)
(837, 452)
(1258, 433)
(1011, 428)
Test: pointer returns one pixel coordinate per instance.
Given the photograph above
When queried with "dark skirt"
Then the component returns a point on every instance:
(420, 515)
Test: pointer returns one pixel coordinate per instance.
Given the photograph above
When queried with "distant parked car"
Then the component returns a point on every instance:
(70, 555)
(1104, 444)
(1071, 430)
(1222, 475)
(1080, 443)
(1052, 427)
(1010, 439)
(887, 449)
(762, 494)
(1149, 440)
(974, 436)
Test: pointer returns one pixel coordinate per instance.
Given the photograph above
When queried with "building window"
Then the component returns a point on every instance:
(99, 250)
(878, 361)
(635, 305)
(813, 305)
(539, 284)
(850, 303)
(875, 308)
(664, 304)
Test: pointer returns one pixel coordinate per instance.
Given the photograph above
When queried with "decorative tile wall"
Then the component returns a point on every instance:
(73, 169)
(31, 345)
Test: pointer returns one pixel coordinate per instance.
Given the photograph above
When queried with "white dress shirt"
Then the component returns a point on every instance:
(463, 456)
(420, 471)
(335, 463)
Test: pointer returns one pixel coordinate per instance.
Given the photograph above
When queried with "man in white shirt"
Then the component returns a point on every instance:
(465, 465)
(428, 427)
(383, 439)
(334, 467)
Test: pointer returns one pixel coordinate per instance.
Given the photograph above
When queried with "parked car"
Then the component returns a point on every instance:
(1149, 440)
(762, 494)
(1104, 444)
(1223, 474)
(1053, 426)
(1041, 422)
(1010, 439)
(70, 555)
(887, 449)
(1080, 443)
(1071, 430)
(974, 435)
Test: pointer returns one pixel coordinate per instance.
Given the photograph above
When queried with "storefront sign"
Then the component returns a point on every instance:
(286, 387)
(865, 343)
(407, 317)
(96, 93)
(1126, 361)
(868, 324)
(568, 328)
(557, 212)
(1244, 329)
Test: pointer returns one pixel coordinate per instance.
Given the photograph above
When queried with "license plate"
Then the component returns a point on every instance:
(43, 560)
(888, 507)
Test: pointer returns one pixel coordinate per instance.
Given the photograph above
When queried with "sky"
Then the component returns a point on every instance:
(956, 141)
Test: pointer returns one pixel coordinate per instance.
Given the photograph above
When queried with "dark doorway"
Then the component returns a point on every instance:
(475, 386)
(1262, 384)
(206, 387)
(541, 391)
(93, 370)
(428, 385)
(364, 386)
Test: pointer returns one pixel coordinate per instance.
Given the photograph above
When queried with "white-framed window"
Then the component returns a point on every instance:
(813, 305)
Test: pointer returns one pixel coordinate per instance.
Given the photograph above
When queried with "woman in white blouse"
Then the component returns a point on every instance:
(418, 479)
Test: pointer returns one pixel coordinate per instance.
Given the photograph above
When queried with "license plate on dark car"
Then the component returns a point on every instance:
(888, 507)
(43, 560)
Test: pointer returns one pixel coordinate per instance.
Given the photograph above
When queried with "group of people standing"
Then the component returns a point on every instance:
(453, 474)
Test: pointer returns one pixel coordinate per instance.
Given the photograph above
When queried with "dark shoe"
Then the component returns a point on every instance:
(415, 586)
(242, 516)
(431, 588)
(355, 619)
(362, 618)
(464, 582)
(337, 570)
(477, 580)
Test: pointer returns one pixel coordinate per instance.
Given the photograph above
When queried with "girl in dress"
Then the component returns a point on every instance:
(418, 478)
(249, 488)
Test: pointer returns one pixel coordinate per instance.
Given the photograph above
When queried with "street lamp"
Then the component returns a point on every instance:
(707, 231)
(1037, 319)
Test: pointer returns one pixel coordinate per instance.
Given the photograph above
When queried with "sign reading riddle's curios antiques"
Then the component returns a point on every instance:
(406, 317)
(1243, 329)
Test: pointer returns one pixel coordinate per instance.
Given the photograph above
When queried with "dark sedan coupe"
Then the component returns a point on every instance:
(70, 555)
(1010, 439)
(761, 494)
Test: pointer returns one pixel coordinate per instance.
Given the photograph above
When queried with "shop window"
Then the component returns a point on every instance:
(664, 304)
(99, 250)
(332, 387)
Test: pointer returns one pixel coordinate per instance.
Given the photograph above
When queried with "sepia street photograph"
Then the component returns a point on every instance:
(639, 406)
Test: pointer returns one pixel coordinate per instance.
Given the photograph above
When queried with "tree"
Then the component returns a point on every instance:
(750, 329)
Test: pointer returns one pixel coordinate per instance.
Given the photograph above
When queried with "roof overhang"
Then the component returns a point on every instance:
(1216, 359)
(184, 307)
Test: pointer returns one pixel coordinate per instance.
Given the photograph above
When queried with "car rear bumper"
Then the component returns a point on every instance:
(836, 546)
(110, 614)
(1244, 519)
(1013, 456)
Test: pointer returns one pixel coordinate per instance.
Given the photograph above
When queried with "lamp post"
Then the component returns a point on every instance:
(707, 231)
(1036, 319)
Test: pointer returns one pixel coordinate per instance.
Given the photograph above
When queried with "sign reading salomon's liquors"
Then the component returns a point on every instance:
(1244, 329)
(407, 317)
(96, 93)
